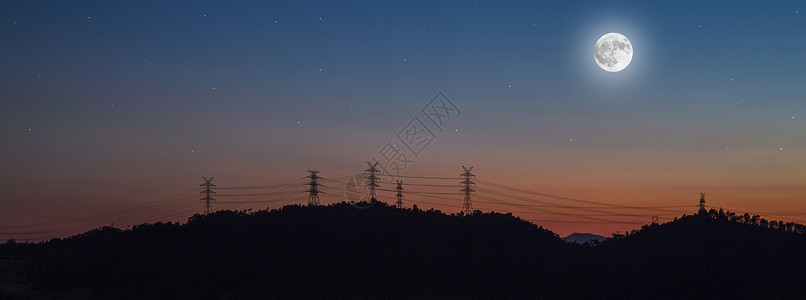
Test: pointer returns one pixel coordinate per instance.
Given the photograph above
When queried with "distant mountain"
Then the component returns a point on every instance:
(581, 238)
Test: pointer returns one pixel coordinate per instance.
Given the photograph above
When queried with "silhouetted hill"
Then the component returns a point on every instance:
(714, 254)
(379, 251)
(296, 251)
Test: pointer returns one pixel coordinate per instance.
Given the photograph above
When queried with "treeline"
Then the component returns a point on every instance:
(710, 254)
(374, 250)
(339, 250)
(746, 218)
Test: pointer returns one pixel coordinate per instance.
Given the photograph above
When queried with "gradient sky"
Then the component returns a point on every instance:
(110, 112)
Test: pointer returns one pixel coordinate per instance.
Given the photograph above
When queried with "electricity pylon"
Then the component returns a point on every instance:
(372, 181)
(399, 189)
(313, 190)
(207, 193)
(467, 207)
(702, 202)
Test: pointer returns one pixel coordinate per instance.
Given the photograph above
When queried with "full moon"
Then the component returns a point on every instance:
(613, 52)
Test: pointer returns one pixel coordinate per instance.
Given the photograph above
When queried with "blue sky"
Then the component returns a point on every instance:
(104, 99)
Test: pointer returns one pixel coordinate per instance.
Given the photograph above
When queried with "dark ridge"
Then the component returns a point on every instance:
(711, 253)
(377, 251)
(320, 251)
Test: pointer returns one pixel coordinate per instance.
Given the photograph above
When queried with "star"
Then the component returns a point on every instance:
(781, 149)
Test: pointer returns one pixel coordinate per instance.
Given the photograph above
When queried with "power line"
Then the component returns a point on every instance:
(420, 193)
(561, 213)
(433, 185)
(285, 192)
(420, 177)
(559, 197)
(249, 187)
(252, 194)
(153, 205)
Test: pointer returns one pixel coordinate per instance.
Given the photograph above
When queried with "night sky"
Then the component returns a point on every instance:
(112, 111)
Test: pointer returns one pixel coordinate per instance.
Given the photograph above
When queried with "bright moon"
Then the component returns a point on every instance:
(613, 52)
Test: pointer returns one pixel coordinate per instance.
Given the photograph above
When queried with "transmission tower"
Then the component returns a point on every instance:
(399, 189)
(207, 193)
(467, 207)
(372, 180)
(702, 202)
(313, 190)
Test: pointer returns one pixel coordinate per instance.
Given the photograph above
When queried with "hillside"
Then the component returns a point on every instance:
(300, 251)
(341, 250)
(712, 253)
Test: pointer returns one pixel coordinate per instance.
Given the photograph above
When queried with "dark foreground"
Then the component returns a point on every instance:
(382, 252)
